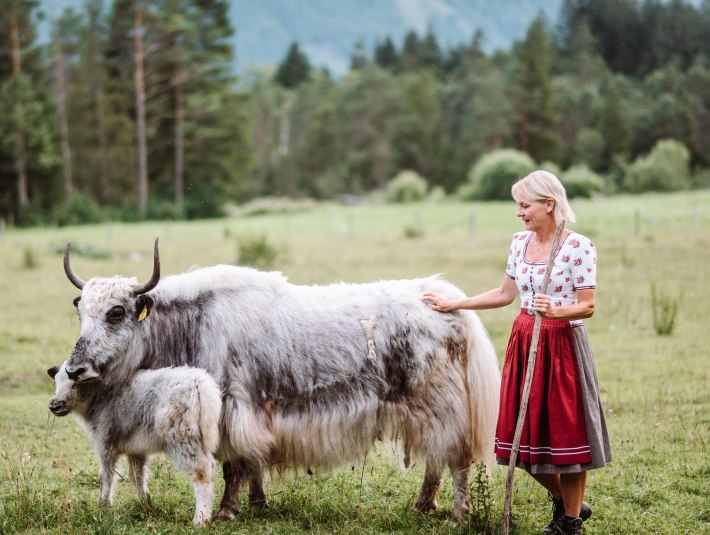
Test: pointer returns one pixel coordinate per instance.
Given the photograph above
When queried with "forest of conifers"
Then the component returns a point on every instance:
(133, 110)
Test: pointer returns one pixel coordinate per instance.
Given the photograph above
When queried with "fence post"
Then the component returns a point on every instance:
(109, 233)
(637, 222)
(471, 224)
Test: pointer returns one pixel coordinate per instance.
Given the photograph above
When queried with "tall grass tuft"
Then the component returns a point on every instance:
(482, 517)
(627, 260)
(29, 258)
(256, 251)
(665, 310)
(26, 505)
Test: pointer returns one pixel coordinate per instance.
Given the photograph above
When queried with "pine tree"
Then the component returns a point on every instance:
(386, 55)
(536, 111)
(409, 58)
(358, 60)
(614, 125)
(294, 69)
(28, 156)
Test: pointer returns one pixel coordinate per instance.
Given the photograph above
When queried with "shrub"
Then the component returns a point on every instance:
(665, 168)
(494, 173)
(436, 194)
(80, 209)
(88, 250)
(256, 251)
(407, 186)
(550, 167)
(665, 309)
(272, 205)
(581, 181)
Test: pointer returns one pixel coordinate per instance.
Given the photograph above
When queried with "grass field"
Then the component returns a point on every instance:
(655, 389)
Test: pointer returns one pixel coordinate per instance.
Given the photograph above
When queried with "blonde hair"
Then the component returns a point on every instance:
(540, 186)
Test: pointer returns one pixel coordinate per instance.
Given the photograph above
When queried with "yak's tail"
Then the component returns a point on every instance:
(483, 383)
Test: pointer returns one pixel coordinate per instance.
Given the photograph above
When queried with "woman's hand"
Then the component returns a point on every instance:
(542, 303)
(438, 302)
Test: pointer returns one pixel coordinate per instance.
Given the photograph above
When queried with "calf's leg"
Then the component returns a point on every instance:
(138, 475)
(107, 477)
(198, 465)
(203, 485)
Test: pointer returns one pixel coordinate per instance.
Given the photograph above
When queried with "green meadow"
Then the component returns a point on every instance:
(655, 388)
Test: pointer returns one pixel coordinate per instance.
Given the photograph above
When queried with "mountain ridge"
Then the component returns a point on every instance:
(328, 31)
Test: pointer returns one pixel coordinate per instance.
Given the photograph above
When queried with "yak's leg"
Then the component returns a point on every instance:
(108, 479)
(138, 475)
(230, 508)
(430, 487)
(257, 496)
(462, 492)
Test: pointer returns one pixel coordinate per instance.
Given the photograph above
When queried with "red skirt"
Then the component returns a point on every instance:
(554, 431)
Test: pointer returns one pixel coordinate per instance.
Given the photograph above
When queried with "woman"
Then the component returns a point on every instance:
(564, 434)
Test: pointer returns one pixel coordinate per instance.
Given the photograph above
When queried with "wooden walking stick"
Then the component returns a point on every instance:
(528, 381)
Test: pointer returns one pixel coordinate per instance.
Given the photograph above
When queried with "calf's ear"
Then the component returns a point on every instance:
(54, 370)
(144, 304)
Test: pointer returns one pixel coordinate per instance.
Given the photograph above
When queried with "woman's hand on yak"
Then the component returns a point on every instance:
(438, 302)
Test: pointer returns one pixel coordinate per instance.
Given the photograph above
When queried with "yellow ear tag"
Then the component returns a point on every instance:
(143, 313)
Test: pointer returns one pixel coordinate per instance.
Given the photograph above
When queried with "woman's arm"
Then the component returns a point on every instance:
(498, 297)
(584, 308)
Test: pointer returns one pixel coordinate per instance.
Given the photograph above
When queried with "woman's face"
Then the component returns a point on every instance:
(534, 214)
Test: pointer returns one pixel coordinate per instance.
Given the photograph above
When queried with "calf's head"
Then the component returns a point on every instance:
(110, 312)
(66, 395)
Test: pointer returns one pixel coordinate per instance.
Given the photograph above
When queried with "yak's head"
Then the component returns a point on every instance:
(66, 395)
(110, 312)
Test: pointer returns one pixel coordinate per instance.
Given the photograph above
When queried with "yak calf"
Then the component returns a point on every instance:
(171, 410)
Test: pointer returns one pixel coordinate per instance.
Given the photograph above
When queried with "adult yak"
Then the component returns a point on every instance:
(311, 375)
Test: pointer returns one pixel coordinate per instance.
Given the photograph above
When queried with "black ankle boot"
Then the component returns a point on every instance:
(569, 526)
(558, 513)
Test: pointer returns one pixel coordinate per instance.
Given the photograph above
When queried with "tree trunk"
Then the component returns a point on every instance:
(103, 145)
(523, 126)
(60, 81)
(283, 147)
(179, 139)
(21, 155)
(140, 114)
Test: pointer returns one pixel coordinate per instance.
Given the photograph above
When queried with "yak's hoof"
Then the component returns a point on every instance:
(202, 521)
(259, 504)
(227, 514)
(461, 516)
(425, 507)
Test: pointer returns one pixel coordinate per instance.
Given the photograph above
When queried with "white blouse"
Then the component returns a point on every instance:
(575, 268)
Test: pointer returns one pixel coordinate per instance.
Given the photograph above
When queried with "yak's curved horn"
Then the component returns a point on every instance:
(154, 278)
(76, 281)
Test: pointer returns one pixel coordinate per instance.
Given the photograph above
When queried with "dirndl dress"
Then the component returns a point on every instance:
(564, 430)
